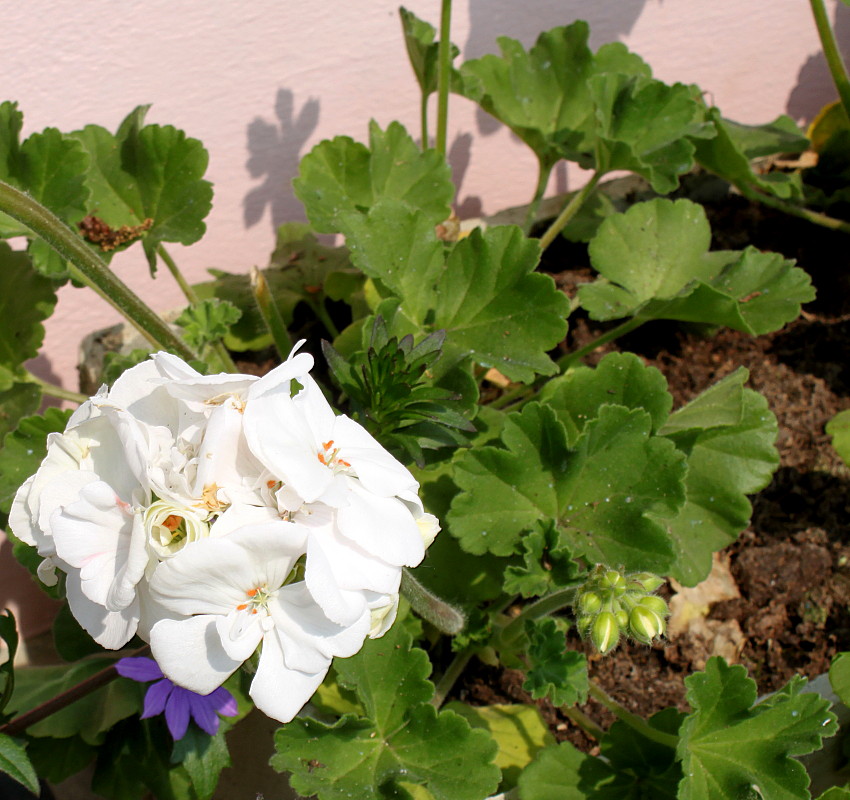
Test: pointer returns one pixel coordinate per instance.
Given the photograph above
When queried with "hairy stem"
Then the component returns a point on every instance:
(19, 724)
(270, 314)
(832, 54)
(539, 608)
(569, 211)
(52, 390)
(90, 269)
(450, 676)
(426, 604)
(583, 721)
(444, 68)
(543, 173)
(632, 720)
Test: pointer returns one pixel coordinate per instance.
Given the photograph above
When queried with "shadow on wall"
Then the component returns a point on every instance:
(33, 609)
(274, 150)
(814, 87)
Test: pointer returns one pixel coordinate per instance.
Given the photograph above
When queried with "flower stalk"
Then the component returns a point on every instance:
(444, 68)
(632, 720)
(832, 54)
(90, 269)
(270, 313)
(426, 604)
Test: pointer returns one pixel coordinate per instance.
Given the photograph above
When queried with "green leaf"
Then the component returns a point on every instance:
(20, 400)
(401, 740)
(26, 300)
(484, 294)
(607, 492)
(547, 565)
(728, 434)
(11, 122)
(619, 379)
(89, 717)
(555, 672)
(658, 151)
(634, 767)
(727, 745)
(14, 762)
(208, 321)
(422, 51)
(148, 172)
(72, 642)
(203, 757)
(839, 676)
(519, 731)
(341, 176)
(9, 635)
(58, 759)
(731, 152)
(655, 263)
(24, 449)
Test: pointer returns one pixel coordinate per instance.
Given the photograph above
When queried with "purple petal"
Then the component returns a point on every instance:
(203, 713)
(156, 697)
(223, 702)
(139, 669)
(177, 712)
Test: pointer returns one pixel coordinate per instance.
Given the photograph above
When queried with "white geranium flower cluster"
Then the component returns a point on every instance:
(212, 514)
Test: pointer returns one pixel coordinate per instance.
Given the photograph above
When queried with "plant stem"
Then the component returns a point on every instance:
(833, 56)
(90, 268)
(569, 211)
(540, 608)
(583, 721)
(568, 359)
(632, 720)
(426, 604)
(19, 724)
(270, 314)
(450, 676)
(444, 68)
(52, 390)
(321, 312)
(423, 119)
(815, 217)
(543, 173)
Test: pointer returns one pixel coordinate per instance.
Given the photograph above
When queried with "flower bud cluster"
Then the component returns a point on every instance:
(610, 605)
(216, 516)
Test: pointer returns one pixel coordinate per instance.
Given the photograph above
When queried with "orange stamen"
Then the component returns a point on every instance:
(252, 592)
(321, 458)
(172, 522)
(271, 484)
(327, 445)
(242, 607)
(344, 463)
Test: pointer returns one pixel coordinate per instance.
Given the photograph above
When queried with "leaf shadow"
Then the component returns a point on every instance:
(274, 150)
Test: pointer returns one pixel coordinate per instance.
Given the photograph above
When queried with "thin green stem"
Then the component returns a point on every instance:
(271, 314)
(446, 618)
(632, 720)
(423, 119)
(568, 359)
(815, 217)
(543, 173)
(26, 720)
(52, 390)
(450, 676)
(540, 608)
(583, 721)
(444, 73)
(833, 56)
(90, 268)
(321, 312)
(178, 276)
(569, 211)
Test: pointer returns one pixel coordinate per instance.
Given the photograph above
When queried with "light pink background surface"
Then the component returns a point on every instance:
(260, 83)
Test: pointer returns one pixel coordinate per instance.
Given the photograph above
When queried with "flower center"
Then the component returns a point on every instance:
(257, 599)
(329, 456)
(170, 528)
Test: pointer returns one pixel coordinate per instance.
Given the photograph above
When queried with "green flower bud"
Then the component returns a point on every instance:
(648, 580)
(656, 604)
(645, 625)
(583, 624)
(605, 632)
(612, 579)
(589, 602)
(622, 617)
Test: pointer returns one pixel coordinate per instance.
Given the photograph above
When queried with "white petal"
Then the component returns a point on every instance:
(280, 692)
(240, 633)
(110, 629)
(189, 652)
(339, 605)
(382, 526)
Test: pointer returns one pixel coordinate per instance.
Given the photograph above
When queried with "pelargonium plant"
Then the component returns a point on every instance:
(272, 541)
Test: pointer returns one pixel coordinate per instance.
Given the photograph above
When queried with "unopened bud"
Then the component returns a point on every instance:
(656, 604)
(589, 602)
(583, 624)
(622, 617)
(645, 625)
(614, 580)
(648, 580)
(605, 632)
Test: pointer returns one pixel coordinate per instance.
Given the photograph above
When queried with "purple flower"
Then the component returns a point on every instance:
(178, 703)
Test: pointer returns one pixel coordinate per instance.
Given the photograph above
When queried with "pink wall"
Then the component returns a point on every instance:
(260, 83)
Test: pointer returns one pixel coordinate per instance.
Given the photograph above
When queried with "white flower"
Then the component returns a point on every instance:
(233, 595)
